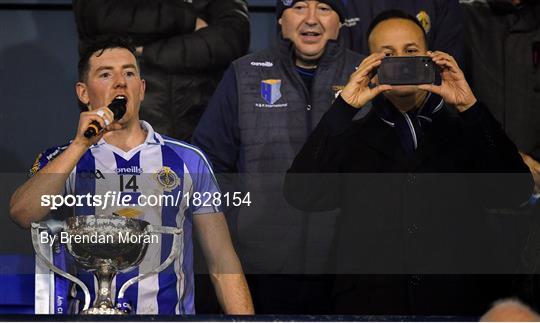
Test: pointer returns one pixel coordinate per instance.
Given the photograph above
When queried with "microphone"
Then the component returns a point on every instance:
(118, 108)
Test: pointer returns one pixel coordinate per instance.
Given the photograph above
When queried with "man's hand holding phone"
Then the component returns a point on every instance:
(357, 92)
(454, 89)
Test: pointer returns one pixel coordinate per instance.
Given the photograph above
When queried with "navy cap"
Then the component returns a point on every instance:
(336, 5)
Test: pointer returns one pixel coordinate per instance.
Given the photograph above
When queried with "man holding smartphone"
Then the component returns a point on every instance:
(413, 240)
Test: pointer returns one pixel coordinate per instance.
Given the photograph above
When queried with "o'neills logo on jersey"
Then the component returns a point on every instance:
(132, 170)
(167, 178)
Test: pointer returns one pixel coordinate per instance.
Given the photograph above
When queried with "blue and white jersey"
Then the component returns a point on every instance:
(158, 167)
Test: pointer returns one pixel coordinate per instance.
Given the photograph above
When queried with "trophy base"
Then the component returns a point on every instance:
(103, 311)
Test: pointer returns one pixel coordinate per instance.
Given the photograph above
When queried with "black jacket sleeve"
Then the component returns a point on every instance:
(141, 19)
(225, 39)
(166, 30)
(496, 153)
(305, 187)
(507, 180)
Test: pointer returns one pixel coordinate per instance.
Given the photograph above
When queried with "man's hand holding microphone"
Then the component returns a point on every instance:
(93, 124)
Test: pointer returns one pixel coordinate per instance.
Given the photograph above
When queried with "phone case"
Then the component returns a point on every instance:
(407, 70)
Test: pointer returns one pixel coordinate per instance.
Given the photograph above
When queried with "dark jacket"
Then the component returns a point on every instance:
(503, 66)
(441, 19)
(181, 67)
(247, 132)
(414, 215)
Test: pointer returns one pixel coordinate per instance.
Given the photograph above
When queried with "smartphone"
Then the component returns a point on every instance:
(406, 70)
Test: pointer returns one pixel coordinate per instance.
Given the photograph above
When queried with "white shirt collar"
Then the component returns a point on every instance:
(152, 137)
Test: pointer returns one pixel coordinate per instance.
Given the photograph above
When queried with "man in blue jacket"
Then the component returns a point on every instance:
(260, 115)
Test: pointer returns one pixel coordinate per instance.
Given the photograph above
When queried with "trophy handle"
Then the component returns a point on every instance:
(55, 227)
(177, 232)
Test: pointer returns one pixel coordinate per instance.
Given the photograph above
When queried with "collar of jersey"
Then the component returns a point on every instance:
(152, 137)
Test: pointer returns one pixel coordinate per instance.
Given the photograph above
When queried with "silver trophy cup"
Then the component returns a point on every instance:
(105, 245)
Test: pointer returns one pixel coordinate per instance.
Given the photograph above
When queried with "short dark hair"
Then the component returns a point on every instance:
(394, 14)
(87, 48)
